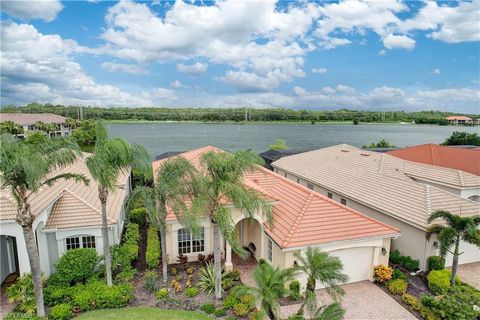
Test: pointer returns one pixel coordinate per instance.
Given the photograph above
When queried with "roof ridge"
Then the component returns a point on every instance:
(382, 161)
(428, 202)
(299, 217)
(460, 177)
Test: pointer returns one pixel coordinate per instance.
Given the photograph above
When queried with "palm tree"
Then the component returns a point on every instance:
(72, 123)
(10, 127)
(169, 191)
(269, 287)
(333, 311)
(111, 158)
(324, 268)
(456, 229)
(25, 168)
(221, 179)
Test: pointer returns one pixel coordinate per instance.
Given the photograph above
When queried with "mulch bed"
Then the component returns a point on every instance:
(140, 264)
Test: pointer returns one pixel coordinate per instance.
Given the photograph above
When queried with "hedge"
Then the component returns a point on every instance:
(153, 248)
(76, 266)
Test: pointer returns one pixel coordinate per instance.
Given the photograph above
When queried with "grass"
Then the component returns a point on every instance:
(142, 313)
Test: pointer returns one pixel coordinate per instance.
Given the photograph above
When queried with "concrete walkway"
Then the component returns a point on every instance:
(470, 273)
(363, 300)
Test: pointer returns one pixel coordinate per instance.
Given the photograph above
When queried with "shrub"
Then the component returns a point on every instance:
(126, 275)
(395, 256)
(296, 317)
(439, 281)
(220, 312)
(294, 290)
(162, 294)
(76, 266)
(248, 299)
(435, 263)
(150, 281)
(410, 264)
(182, 260)
(190, 271)
(176, 286)
(206, 280)
(54, 294)
(22, 292)
(208, 308)
(61, 312)
(137, 215)
(398, 274)
(412, 301)
(234, 275)
(241, 309)
(397, 286)
(230, 301)
(98, 295)
(382, 273)
(153, 248)
(227, 284)
(130, 240)
(191, 292)
(173, 271)
(179, 277)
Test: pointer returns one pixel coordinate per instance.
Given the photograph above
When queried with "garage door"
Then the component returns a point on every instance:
(470, 254)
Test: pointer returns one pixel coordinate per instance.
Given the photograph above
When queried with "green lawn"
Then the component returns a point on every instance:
(142, 313)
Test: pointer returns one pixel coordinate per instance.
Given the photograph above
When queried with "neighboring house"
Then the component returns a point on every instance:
(460, 120)
(397, 192)
(270, 156)
(466, 160)
(28, 120)
(301, 218)
(67, 216)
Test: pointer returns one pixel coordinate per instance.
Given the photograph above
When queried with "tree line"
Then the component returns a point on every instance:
(233, 114)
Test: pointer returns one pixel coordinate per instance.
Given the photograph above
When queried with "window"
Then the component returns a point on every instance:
(80, 242)
(310, 186)
(330, 195)
(73, 243)
(343, 201)
(285, 175)
(298, 180)
(31, 128)
(270, 250)
(188, 243)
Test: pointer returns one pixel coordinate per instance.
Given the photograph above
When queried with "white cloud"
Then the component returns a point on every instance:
(398, 42)
(125, 68)
(436, 71)
(382, 52)
(40, 9)
(328, 90)
(345, 89)
(162, 93)
(251, 82)
(332, 43)
(176, 84)
(319, 70)
(195, 69)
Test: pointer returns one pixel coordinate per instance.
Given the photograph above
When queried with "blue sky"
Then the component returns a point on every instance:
(358, 54)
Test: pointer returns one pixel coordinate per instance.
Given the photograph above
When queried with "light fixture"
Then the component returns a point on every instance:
(384, 251)
(435, 244)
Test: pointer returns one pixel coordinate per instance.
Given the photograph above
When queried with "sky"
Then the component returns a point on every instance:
(322, 55)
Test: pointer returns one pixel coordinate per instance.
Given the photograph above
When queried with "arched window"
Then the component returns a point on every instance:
(189, 243)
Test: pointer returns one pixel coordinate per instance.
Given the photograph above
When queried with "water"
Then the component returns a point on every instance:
(159, 137)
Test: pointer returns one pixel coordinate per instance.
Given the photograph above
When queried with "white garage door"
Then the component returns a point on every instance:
(470, 254)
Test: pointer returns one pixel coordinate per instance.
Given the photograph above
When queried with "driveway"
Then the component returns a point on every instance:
(362, 300)
(470, 273)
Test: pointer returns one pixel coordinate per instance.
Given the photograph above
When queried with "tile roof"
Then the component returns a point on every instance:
(467, 160)
(301, 216)
(379, 181)
(27, 119)
(74, 204)
(454, 118)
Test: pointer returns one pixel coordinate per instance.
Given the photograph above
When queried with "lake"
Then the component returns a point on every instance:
(159, 137)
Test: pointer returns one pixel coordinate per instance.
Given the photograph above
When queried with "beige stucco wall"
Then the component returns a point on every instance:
(412, 242)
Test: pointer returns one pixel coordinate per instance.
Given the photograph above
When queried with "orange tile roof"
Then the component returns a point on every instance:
(302, 216)
(467, 160)
(454, 118)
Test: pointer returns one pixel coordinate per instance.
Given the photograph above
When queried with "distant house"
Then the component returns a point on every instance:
(28, 120)
(464, 159)
(301, 218)
(270, 156)
(67, 216)
(460, 120)
(397, 192)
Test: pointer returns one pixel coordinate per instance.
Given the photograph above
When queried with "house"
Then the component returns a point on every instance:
(460, 120)
(28, 120)
(270, 156)
(301, 218)
(397, 192)
(463, 159)
(67, 216)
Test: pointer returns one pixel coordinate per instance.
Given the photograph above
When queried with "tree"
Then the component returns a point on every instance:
(169, 192)
(462, 138)
(72, 123)
(220, 179)
(111, 158)
(36, 137)
(380, 144)
(25, 168)
(456, 229)
(278, 145)
(85, 134)
(269, 287)
(10, 127)
(47, 127)
(320, 266)
(333, 311)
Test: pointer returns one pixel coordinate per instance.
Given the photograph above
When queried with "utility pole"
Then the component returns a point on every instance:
(246, 114)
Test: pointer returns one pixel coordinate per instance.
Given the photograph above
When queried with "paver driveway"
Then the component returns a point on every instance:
(362, 301)
(470, 273)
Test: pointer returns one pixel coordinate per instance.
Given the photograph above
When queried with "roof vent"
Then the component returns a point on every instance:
(365, 154)
(255, 181)
(344, 150)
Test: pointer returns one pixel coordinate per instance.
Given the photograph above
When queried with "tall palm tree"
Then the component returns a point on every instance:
(269, 287)
(111, 157)
(10, 127)
(221, 181)
(169, 191)
(455, 229)
(24, 169)
(324, 268)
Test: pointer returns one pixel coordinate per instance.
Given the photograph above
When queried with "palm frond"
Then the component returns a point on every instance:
(333, 311)
(433, 229)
